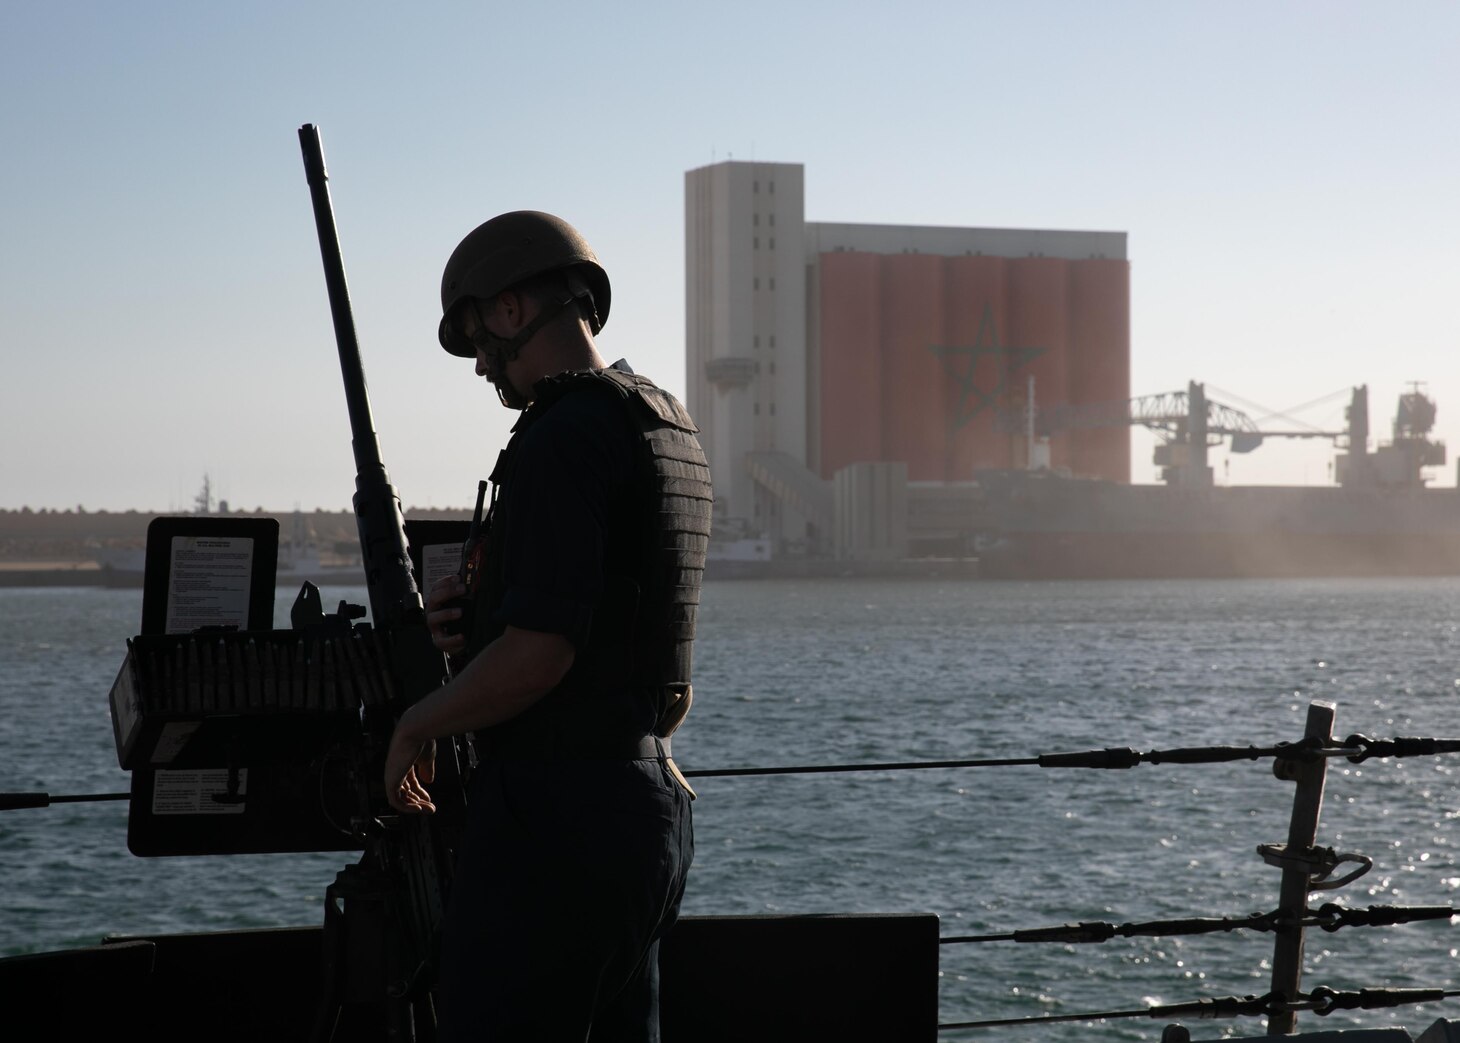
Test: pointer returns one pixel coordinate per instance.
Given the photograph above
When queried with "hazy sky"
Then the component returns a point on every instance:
(1288, 175)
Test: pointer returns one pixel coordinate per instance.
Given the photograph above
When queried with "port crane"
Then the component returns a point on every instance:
(1190, 423)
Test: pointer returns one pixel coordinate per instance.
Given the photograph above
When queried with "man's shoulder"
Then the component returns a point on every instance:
(575, 420)
(664, 407)
(618, 387)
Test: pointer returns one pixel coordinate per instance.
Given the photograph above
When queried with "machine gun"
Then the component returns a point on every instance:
(382, 914)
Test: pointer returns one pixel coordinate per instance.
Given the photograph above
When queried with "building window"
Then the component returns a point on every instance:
(755, 340)
(773, 409)
(773, 368)
(755, 243)
(773, 282)
(757, 409)
(773, 340)
(772, 219)
(773, 242)
(772, 188)
(755, 220)
(755, 283)
(755, 186)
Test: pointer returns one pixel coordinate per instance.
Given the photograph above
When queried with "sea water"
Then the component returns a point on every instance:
(857, 672)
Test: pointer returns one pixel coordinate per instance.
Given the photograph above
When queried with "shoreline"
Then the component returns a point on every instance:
(50, 574)
(89, 574)
(28, 574)
(21, 574)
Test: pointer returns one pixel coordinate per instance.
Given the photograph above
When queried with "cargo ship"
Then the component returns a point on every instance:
(1381, 518)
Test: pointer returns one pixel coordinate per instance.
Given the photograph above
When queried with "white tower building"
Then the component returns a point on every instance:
(745, 273)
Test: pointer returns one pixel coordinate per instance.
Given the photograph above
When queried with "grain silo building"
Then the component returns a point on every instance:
(852, 380)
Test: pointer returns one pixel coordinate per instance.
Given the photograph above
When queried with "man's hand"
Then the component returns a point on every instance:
(439, 611)
(503, 680)
(410, 766)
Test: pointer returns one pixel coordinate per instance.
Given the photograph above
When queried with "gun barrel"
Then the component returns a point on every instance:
(362, 425)
(394, 596)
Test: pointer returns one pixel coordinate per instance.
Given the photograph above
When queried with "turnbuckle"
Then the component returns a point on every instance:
(1324, 1001)
(1398, 747)
(1332, 916)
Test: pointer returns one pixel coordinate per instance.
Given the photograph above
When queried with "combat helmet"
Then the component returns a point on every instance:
(512, 247)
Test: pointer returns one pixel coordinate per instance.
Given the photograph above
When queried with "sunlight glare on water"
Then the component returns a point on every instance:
(851, 672)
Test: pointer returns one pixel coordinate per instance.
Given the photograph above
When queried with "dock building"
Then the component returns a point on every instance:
(851, 379)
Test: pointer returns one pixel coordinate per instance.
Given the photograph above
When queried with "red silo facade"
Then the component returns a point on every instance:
(924, 358)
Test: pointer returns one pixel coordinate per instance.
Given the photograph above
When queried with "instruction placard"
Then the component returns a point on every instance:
(198, 792)
(209, 582)
(438, 560)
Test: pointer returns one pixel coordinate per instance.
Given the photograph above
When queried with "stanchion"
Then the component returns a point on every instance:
(1287, 953)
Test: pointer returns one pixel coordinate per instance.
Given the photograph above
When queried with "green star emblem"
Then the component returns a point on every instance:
(962, 363)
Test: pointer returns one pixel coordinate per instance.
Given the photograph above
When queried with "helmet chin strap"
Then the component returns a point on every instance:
(506, 349)
(508, 395)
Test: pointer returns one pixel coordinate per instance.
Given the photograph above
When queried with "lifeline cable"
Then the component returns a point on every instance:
(1321, 1001)
(1330, 917)
(1358, 748)
(1215, 1007)
(13, 801)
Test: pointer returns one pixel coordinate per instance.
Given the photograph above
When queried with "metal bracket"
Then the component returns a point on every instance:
(1317, 862)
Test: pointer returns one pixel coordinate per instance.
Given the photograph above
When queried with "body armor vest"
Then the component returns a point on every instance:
(632, 678)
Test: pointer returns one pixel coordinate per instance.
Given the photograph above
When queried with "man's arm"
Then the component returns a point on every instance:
(500, 682)
(562, 483)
